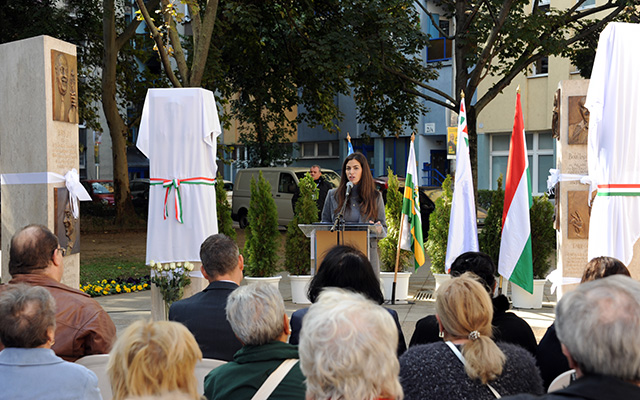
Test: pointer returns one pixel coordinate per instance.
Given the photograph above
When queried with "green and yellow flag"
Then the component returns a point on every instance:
(412, 223)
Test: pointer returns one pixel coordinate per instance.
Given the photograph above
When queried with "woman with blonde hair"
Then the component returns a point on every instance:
(152, 358)
(469, 364)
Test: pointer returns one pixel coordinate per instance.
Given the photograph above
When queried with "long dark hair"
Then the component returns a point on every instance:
(366, 187)
(348, 268)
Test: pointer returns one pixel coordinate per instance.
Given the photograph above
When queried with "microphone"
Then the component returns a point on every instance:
(349, 187)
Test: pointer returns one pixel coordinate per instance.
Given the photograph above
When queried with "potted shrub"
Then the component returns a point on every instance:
(436, 246)
(223, 210)
(262, 235)
(543, 243)
(298, 245)
(389, 245)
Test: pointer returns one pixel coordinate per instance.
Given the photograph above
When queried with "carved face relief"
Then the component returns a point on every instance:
(62, 74)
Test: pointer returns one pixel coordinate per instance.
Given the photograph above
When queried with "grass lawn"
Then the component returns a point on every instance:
(111, 268)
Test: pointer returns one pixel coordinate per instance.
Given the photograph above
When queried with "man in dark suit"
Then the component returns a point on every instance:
(204, 313)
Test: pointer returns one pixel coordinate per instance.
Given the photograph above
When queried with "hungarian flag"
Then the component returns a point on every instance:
(463, 228)
(412, 223)
(516, 262)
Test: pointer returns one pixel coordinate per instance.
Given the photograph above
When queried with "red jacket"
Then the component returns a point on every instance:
(82, 326)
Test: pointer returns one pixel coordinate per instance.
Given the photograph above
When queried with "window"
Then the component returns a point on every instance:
(586, 4)
(541, 159)
(540, 67)
(439, 49)
(319, 150)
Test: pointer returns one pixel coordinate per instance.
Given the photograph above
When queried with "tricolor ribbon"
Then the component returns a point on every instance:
(619, 189)
(175, 183)
(71, 180)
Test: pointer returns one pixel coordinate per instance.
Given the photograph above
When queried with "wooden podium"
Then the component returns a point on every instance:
(322, 239)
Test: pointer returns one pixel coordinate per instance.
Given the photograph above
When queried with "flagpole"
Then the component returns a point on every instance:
(395, 275)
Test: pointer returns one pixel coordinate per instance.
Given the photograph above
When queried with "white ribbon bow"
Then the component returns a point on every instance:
(71, 180)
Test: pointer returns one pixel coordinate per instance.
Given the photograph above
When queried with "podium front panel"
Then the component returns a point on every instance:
(325, 240)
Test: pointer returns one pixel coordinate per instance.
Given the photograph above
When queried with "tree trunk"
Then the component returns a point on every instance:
(117, 127)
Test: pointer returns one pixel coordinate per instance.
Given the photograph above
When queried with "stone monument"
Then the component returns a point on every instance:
(38, 141)
(572, 197)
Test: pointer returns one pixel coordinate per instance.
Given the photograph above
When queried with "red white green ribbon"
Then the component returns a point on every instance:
(175, 183)
(619, 189)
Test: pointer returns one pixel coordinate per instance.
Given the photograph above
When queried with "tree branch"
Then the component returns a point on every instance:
(130, 30)
(201, 47)
(433, 21)
(157, 37)
(174, 39)
(419, 83)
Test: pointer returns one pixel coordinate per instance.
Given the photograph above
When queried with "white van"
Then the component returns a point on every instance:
(284, 183)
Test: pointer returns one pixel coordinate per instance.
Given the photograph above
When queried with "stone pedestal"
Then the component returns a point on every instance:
(572, 210)
(33, 139)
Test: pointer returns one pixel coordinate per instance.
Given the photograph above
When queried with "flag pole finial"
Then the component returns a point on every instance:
(348, 137)
(462, 94)
(413, 136)
(518, 90)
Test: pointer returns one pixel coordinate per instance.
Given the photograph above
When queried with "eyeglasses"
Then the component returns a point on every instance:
(62, 251)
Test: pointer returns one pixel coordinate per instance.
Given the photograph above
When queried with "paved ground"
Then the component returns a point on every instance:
(126, 308)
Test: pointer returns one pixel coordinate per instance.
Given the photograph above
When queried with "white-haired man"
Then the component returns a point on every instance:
(598, 325)
(258, 319)
(348, 349)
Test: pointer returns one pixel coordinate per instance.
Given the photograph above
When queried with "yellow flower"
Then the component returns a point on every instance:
(118, 289)
(146, 285)
(105, 292)
(127, 290)
(104, 282)
(113, 282)
(97, 288)
(139, 287)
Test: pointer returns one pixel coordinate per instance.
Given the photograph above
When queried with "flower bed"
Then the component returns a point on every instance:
(116, 286)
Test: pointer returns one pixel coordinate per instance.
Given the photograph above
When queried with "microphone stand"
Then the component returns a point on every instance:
(339, 221)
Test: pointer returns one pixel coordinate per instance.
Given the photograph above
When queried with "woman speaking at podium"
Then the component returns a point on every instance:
(361, 201)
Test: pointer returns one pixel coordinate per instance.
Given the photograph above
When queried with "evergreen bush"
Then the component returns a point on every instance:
(489, 237)
(393, 215)
(543, 235)
(262, 236)
(436, 246)
(223, 209)
(298, 246)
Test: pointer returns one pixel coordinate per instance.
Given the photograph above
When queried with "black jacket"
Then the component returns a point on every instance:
(508, 327)
(549, 357)
(590, 387)
(204, 315)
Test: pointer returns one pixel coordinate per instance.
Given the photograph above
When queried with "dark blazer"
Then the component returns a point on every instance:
(508, 327)
(204, 315)
(296, 327)
(549, 357)
(589, 387)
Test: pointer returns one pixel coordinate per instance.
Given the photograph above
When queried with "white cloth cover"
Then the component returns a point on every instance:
(178, 134)
(613, 101)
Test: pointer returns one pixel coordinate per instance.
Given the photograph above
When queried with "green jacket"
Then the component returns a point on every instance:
(241, 378)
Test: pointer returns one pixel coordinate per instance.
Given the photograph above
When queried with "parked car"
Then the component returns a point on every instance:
(101, 191)
(140, 194)
(284, 184)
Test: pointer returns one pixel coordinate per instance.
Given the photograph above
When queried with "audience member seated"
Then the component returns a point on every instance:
(153, 358)
(508, 327)
(598, 325)
(82, 326)
(348, 349)
(549, 357)
(257, 316)
(29, 369)
(348, 268)
(203, 313)
(468, 364)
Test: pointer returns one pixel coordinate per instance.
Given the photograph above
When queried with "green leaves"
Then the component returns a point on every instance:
(261, 246)
(298, 246)
(436, 246)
